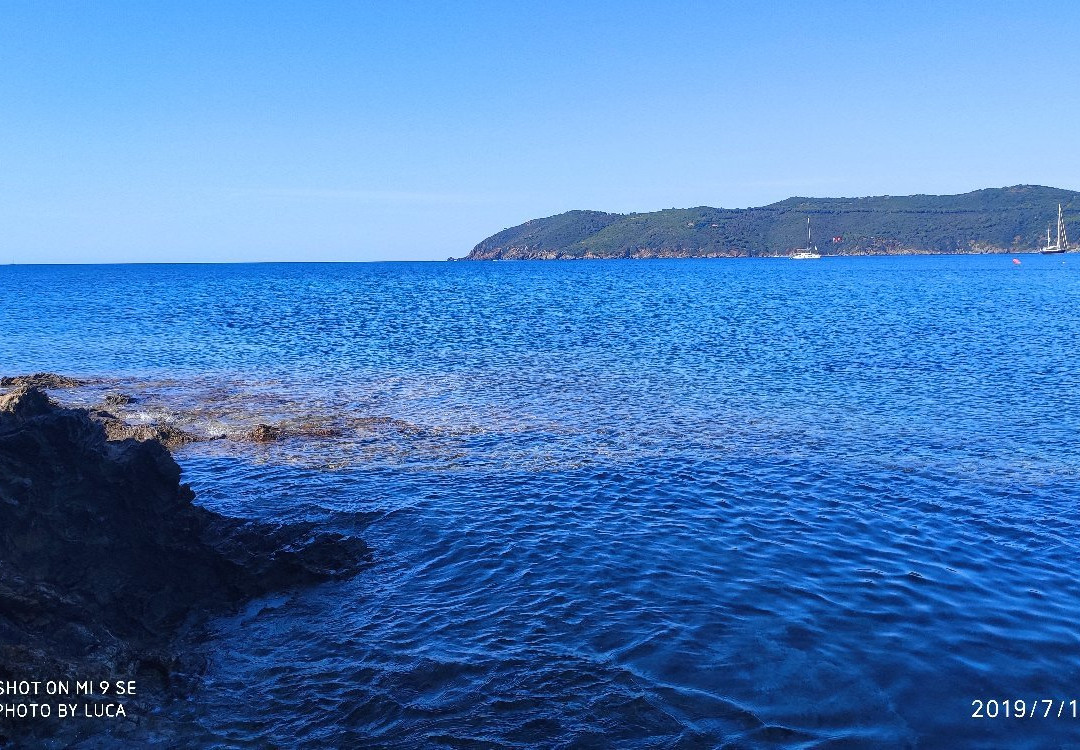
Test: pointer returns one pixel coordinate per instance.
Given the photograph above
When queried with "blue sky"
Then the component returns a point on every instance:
(256, 131)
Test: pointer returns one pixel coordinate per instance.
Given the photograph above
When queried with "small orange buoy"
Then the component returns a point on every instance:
(1016, 261)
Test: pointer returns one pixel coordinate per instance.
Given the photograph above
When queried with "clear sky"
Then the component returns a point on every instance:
(236, 131)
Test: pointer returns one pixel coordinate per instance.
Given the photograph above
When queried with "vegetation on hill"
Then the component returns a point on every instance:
(1012, 219)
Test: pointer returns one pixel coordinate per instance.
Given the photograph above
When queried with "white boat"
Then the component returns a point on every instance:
(1062, 244)
(810, 251)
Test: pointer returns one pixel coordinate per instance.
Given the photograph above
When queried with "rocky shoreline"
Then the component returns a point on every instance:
(106, 561)
(254, 419)
(647, 253)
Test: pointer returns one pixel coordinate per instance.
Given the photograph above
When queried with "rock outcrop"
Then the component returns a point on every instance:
(119, 399)
(264, 433)
(104, 556)
(118, 429)
(40, 380)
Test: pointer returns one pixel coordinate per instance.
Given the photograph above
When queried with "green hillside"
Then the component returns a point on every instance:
(1010, 219)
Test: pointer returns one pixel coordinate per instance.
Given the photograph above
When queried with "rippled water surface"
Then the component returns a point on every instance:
(643, 504)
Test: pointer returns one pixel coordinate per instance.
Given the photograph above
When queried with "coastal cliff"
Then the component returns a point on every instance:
(996, 220)
(105, 558)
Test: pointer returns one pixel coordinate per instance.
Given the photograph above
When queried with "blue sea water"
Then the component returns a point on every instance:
(738, 503)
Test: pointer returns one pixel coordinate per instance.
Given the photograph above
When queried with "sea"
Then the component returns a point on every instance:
(728, 503)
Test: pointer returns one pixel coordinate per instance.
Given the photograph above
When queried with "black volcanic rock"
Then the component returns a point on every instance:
(104, 555)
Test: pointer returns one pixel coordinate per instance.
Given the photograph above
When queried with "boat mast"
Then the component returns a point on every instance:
(1062, 240)
(808, 245)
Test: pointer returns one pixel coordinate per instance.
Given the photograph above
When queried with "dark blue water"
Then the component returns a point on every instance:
(639, 504)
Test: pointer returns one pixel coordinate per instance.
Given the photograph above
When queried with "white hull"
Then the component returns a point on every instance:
(804, 256)
(1062, 244)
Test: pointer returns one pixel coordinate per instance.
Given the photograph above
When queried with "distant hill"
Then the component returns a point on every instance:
(996, 220)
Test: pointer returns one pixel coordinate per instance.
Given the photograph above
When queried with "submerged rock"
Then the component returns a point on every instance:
(318, 430)
(117, 429)
(265, 433)
(104, 556)
(40, 380)
(119, 399)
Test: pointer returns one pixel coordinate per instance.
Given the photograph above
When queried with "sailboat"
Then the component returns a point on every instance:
(1062, 245)
(810, 252)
